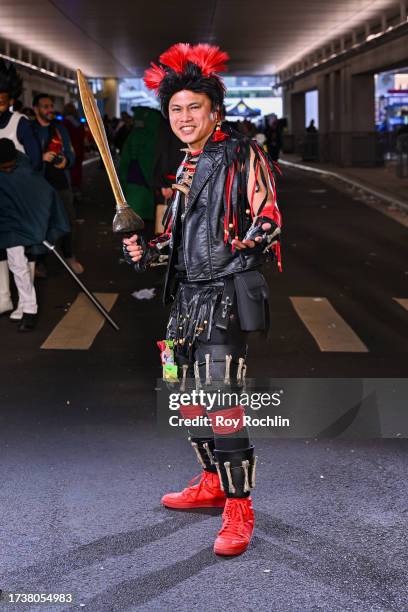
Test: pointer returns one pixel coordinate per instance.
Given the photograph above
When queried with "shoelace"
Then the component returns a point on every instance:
(234, 520)
(195, 490)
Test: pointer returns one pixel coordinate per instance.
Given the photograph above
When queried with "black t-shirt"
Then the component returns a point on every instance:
(189, 165)
(180, 265)
(56, 177)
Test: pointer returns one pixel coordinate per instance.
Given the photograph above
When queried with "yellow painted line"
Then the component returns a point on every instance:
(80, 326)
(327, 327)
(402, 302)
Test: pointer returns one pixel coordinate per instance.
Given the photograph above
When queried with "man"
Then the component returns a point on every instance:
(16, 128)
(122, 130)
(58, 157)
(14, 125)
(273, 133)
(221, 222)
(29, 213)
(76, 131)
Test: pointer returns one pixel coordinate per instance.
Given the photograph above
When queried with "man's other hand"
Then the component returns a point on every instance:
(238, 244)
(62, 163)
(49, 156)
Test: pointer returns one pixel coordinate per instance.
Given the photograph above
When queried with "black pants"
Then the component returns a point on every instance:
(210, 351)
(67, 199)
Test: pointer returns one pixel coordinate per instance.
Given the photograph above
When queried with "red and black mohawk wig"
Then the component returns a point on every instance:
(192, 67)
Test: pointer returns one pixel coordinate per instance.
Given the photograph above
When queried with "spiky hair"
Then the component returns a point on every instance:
(10, 81)
(192, 67)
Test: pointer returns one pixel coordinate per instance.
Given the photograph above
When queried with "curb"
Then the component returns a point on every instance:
(378, 194)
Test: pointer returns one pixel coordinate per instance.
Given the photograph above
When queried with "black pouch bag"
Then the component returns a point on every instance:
(252, 294)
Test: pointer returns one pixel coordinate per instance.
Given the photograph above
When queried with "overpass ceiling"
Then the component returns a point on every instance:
(108, 38)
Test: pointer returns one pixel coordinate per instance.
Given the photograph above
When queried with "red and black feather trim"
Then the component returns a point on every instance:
(209, 58)
(153, 76)
(176, 57)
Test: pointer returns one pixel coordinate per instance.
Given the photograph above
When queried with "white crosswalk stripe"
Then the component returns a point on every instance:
(328, 328)
(78, 329)
(402, 302)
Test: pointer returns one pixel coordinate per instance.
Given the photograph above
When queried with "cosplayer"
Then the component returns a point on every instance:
(220, 225)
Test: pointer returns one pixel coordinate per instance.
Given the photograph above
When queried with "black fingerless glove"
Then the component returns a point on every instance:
(151, 252)
(268, 236)
(126, 255)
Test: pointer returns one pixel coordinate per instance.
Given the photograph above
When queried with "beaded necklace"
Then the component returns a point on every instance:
(187, 174)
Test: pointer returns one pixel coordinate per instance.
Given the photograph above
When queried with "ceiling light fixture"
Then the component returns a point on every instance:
(37, 69)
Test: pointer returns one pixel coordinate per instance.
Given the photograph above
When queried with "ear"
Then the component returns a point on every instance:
(215, 114)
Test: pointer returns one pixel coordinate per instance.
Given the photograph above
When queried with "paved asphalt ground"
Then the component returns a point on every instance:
(82, 466)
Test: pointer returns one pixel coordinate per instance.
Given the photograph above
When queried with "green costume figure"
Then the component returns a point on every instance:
(137, 163)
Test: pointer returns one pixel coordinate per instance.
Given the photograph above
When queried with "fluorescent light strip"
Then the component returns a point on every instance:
(341, 52)
(37, 69)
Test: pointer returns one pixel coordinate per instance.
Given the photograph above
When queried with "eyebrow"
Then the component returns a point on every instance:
(179, 105)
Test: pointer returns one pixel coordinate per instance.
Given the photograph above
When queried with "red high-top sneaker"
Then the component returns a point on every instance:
(237, 526)
(206, 494)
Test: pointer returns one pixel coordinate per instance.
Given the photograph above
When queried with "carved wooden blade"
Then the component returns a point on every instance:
(129, 220)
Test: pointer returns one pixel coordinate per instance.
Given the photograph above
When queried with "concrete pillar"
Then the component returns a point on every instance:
(345, 99)
(403, 10)
(298, 119)
(345, 116)
(363, 103)
(331, 142)
(334, 101)
(364, 143)
(111, 97)
(286, 106)
(323, 87)
(356, 118)
(298, 114)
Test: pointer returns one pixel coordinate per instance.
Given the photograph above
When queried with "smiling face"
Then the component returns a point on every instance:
(44, 110)
(191, 118)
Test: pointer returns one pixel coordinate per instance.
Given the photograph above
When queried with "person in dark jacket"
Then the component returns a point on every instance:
(273, 133)
(30, 212)
(220, 224)
(76, 132)
(58, 158)
(17, 128)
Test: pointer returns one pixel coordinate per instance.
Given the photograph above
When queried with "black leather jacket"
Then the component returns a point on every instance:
(206, 255)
